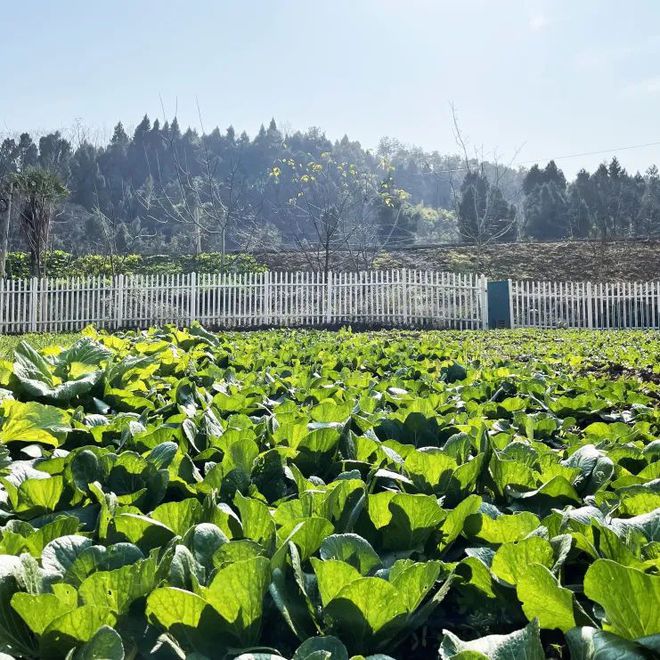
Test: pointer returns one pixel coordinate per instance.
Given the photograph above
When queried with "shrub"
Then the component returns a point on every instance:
(63, 264)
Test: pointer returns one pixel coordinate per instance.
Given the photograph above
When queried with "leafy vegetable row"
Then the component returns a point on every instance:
(306, 495)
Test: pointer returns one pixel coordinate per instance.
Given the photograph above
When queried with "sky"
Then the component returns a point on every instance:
(529, 79)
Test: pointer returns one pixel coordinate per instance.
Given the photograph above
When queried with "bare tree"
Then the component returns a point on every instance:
(334, 212)
(119, 238)
(79, 134)
(316, 212)
(371, 235)
(484, 216)
(199, 197)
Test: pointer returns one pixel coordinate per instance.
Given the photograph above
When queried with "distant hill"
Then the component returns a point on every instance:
(594, 261)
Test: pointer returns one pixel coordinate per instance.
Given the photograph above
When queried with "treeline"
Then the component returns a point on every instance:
(164, 190)
(608, 204)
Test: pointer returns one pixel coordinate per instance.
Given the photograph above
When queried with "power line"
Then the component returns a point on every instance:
(566, 157)
(595, 153)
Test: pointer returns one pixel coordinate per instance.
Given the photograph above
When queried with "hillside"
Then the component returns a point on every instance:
(129, 195)
(575, 260)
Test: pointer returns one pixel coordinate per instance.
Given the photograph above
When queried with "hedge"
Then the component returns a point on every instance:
(63, 264)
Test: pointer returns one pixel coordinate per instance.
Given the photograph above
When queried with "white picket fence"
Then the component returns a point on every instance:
(615, 305)
(407, 298)
(396, 298)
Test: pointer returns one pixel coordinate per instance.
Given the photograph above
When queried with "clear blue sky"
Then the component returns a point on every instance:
(549, 78)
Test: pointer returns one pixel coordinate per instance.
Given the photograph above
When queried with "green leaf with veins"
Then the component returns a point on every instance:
(629, 597)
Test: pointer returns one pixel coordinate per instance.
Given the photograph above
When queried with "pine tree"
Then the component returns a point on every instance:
(138, 153)
(578, 212)
(552, 174)
(545, 205)
(484, 215)
(116, 178)
(86, 180)
(534, 178)
(142, 130)
(119, 136)
(55, 154)
(472, 206)
(175, 131)
(502, 217)
(546, 213)
(648, 220)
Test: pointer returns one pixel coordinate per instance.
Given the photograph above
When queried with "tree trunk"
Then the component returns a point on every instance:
(35, 262)
(222, 254)
(198, 233)
(5, 221)
(326, 260)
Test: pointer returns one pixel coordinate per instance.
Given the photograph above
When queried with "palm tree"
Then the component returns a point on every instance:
(39, 192)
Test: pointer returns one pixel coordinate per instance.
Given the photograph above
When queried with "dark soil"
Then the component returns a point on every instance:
(594, 261)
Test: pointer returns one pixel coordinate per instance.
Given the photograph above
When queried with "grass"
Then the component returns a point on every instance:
(594, 350)
(36, 339)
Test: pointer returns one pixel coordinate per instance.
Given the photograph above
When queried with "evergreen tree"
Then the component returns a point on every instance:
(618, 201)
(119, 136)
(502, 217)
(175, 131)
(579, 212)
(534, 179)
(600, 202)
(55, 154)
(615, 200)
(472, 206)
(85, 177)
(142, 130)
(545, 205)
(117, 180)
(27, 154)
(647, 223)
(546, 213)
(636, 192)
(484, 216)
(138, 153)
(552, 174)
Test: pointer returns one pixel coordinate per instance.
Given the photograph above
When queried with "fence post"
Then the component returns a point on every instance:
(404, 288)
(266, 313)
(192, 301)
(328, 298)
(512, 317)
(589, 301)
(119, 300)
(34, 303)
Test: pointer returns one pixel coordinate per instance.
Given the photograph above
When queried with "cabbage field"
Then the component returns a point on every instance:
(315, 495)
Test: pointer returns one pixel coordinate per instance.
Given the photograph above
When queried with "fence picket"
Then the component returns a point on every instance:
(608, 305)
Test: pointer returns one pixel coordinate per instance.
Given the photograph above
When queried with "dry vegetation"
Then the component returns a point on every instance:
(571, 260)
